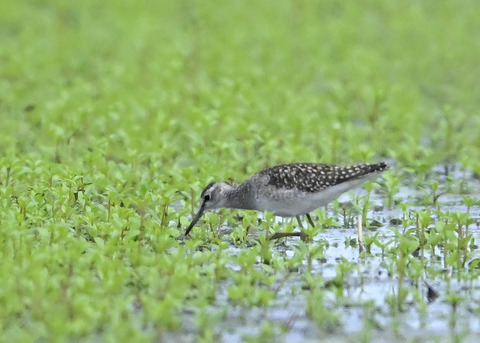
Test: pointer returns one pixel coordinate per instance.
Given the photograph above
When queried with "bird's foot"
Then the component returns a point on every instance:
(278, 235)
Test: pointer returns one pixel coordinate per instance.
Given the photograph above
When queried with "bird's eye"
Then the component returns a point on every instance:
(206, 197)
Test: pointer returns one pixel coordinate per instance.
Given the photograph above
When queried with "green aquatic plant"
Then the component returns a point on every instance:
(373, 239)
(251, 285)
(407, 243)
(206, 323)
(435, 195)
(423, 220)
(338, 283)
(267, 334)
(392, 185)
(366, 203)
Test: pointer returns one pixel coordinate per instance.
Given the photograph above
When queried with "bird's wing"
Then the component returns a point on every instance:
(314, 177)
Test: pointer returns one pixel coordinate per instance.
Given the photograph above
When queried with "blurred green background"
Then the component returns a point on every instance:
(219, 85)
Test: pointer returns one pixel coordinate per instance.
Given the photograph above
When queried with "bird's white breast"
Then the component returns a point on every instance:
(290, 203)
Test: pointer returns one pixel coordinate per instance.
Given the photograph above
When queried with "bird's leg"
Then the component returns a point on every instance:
(303, 236)
(278, 235)
(300, 234)
(310, 220)
(299, 220)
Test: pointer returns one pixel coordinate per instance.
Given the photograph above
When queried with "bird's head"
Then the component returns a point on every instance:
(213, 197)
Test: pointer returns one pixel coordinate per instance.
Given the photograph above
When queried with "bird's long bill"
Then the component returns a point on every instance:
(196, 218)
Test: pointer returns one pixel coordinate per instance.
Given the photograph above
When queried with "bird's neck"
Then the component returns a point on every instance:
(240, 197)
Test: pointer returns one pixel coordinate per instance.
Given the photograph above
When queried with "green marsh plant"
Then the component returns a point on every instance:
(402, 254)
(251, 284)
(392, 185)
(320, 311)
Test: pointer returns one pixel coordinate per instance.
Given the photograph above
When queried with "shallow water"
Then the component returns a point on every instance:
(363, 311)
